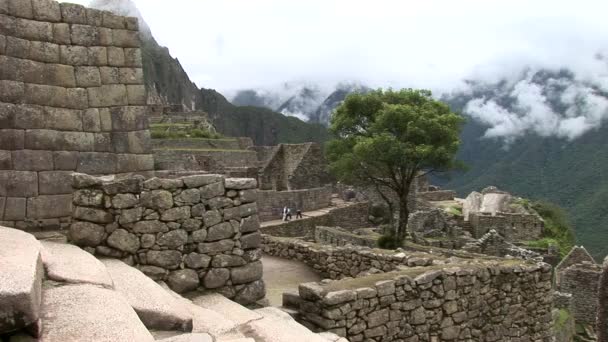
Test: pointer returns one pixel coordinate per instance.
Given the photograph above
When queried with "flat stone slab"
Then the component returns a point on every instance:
(227, 308)
(277, 326)
(21, 275)
(194, 337)
(156, 307)
(89, 313)
(70, 264)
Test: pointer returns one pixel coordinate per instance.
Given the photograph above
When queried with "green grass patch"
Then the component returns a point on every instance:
(455, 210)
(181, 131)
(561, 318)
(557, 227)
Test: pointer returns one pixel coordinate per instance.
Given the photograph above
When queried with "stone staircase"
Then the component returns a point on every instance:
(52, 291)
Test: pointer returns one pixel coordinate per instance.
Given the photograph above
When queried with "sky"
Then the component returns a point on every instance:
(230, 45)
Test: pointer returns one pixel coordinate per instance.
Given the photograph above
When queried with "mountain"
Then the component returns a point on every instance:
(544, 158)
(168, 83)
(308, 102)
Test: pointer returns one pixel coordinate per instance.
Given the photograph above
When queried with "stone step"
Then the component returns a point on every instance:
(291, 312)
(156, 307)
(89, 313)
(277, 326)
(70, 264)
(227, 308)
(21, 274)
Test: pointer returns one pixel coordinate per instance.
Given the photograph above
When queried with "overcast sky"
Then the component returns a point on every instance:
(235, 44)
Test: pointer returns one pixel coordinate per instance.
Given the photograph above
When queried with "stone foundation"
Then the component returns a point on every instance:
(271, 203)
(498, 302)
(72, 98)
(340, 237)
(194, 232)
(438, 195)
(582, 281)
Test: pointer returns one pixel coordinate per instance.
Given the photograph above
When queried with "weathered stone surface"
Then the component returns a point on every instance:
(157, 199)
(45, 207)
(216, 277)
(188, 197)
(199, 235)
(165, 259)
(73, 14)
(219, 232)
(20, 279)
(54, 182)
(175, 214)
(212, 190)
(182, 281)
(192, 224)
(86, 234)
(130, 215)
(249, 209)
(14, 209)
(92, 215)
(70, 264)
(126, 185)
(241, 183)
(195, 260)
(150, 227)
(88, 198)
(250, 224)
(251, 293)
(124, 241)
(173, 239)
(194, 337)
(124, 201)
(253, 240)
(154, 306)
(89, 313)
(196, 181)
(246, 274)
(224, 260)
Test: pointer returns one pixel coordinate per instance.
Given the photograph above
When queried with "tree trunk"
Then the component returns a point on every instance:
(404, 213)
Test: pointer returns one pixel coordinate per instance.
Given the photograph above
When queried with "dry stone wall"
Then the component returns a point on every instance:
(194, 232)
(582, 281)
(514, 227)
(461, 303)
(271, 203)
(339, 237)
(72, 98)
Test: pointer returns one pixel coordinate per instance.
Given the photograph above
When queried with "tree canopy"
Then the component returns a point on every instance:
(387, 138)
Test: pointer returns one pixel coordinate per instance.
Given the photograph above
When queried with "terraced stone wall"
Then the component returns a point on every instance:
(582, 282)
(498, 302)
(514, 227)
(340, 237)
(72, 98)
(271, 203)
(194, 232)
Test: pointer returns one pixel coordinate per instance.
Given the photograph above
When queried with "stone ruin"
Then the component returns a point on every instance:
(72, 98)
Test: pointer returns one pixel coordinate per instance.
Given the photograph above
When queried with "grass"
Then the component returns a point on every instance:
(562, 317)
(455, 210)
(181, 131)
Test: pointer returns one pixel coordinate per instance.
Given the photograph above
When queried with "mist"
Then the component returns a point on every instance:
(435, 44)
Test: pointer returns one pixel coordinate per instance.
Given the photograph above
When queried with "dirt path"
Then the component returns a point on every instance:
(281, 275)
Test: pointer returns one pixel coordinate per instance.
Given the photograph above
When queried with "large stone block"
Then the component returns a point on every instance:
(132, 118)
(132, 23)
(12, 139)
(21, 8)
(246, 274)
(116, 56)
(131, 75)
(61, 34)
(219, 232)
(134, 162)
(32, 160)
(59, 75)
(12, 91)
(110, 75)
(124, 241)
(74, 55)
(98, 55)
(105, 118)
(6, 162)
(113, 21)
(65, 160)
(37, 117)
(97, 163)
(133, 58)
(46, 10)
(103, 142)
(46, 95)
(86, 234)
(14, 209)
(136, 94)
(125, 38)
(3, 6)
(88, 77)
(73, 14)
(92, 215)
(164, 259)
(108, 96)
(94, 17)
(77, 98)
(105, 36)
(44, 52)
(131, 142)
(43, 207)
(215, 247)
(16, 47)
(91, 121)
(7, 115)
(85, 35)
(2, 44)
(55, 182)
(43, 139)
(21, 285)
(34, 30)
(18, 183)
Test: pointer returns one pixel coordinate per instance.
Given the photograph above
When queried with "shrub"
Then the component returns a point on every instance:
(557, 227)
(389, 241)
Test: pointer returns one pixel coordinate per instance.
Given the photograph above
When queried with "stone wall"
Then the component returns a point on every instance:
(439, 195)
(202, 160)
(198, 231)
(461, 303)
(602, 309)
(197, 143)
(271, 203)
(339, 262)
(514, 227)
(581, 280)
(339, 237)
(72, 98)
(350, 216)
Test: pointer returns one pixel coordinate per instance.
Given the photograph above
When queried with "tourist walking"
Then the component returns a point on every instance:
(284, 213)
(288, 214)
(298, 214)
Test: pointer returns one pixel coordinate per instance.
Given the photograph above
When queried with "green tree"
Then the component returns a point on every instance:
(387, 138)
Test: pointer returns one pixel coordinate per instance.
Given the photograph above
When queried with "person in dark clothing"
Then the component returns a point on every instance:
(298, 214)
(289, 214)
